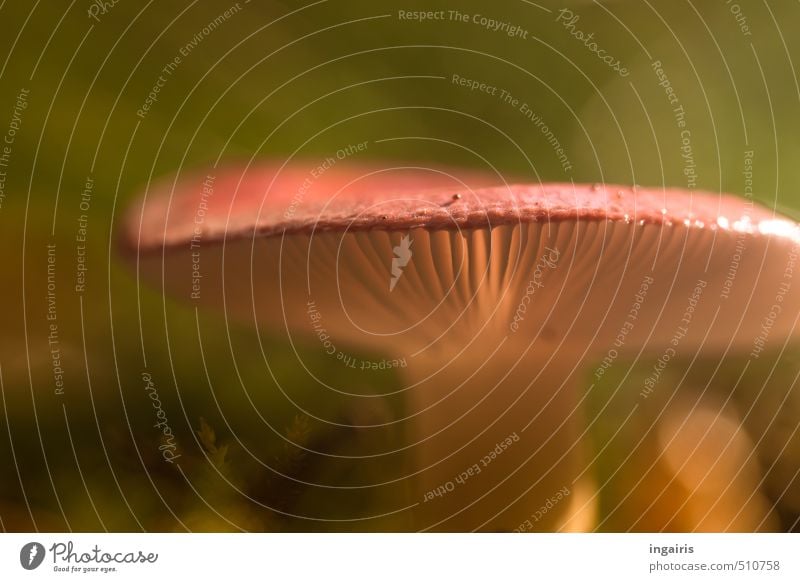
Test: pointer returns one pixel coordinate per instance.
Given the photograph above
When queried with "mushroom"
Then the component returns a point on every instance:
(500, 302)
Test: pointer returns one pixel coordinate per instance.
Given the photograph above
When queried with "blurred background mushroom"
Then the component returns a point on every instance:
(98, 106)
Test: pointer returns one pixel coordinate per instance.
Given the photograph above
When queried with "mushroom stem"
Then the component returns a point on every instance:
(497, 440)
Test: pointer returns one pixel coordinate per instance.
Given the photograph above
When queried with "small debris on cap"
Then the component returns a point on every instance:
(455, 198)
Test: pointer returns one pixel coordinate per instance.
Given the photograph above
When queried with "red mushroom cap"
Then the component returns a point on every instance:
(271, 240)
(274, 199)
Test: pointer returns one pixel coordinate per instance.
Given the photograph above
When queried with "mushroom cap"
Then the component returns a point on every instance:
(418, 260)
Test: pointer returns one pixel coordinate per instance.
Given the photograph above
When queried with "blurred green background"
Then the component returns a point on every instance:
(284, 79)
